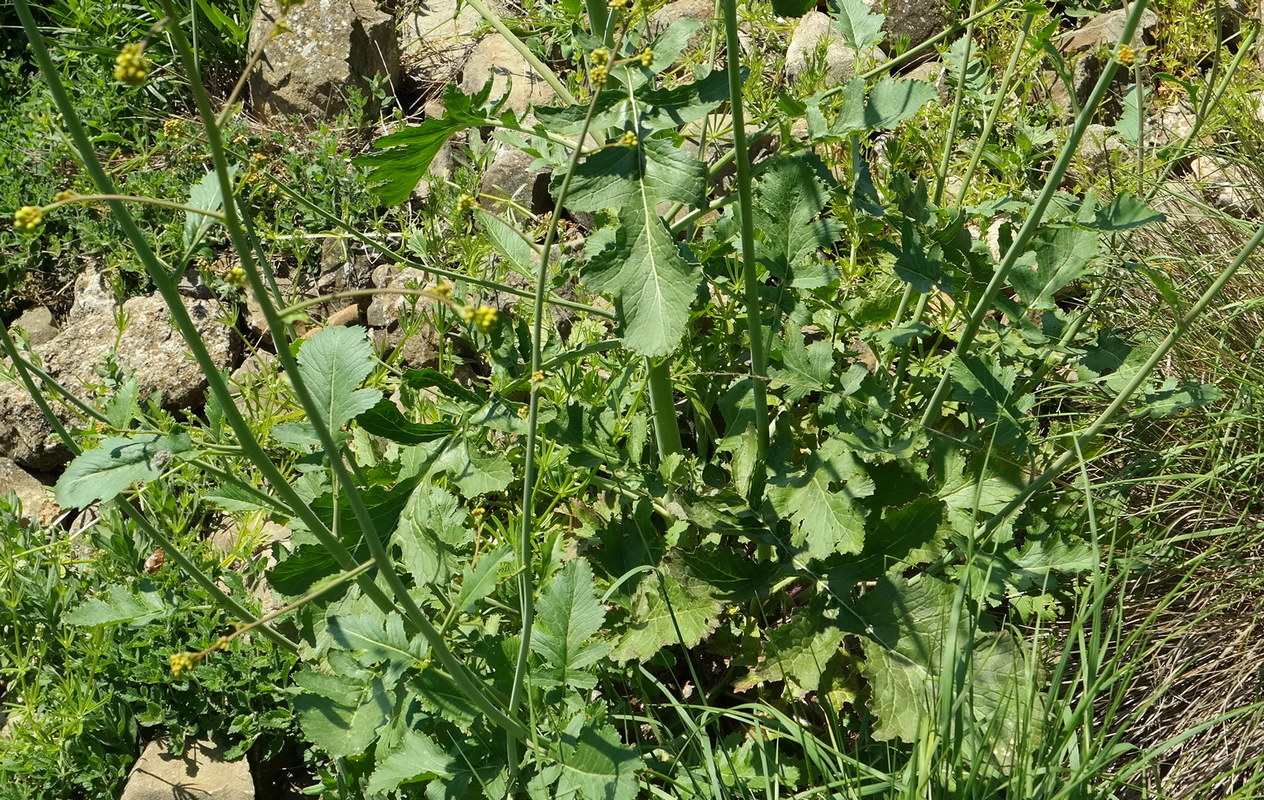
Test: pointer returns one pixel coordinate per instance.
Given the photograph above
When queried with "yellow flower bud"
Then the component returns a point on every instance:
(28, 218)
(131, 66)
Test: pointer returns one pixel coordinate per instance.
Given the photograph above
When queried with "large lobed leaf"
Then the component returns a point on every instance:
(789, 199)
(819, 501)
(641, 265)
(567, 616)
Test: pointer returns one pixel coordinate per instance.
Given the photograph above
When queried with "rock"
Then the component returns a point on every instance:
(149, 347)
(347, 315)
(1171, 125)
(509, 175)
(92, 296)
(661, 19)
(918, 20)
(436, 38)
(934, 73)
(1086, 50)
(35, 498)
(399, 321)
(332, 45)
(495, 59)
(816, 36)
(38, 324)
(1227, 186)
(1095, 153)
(201, 772)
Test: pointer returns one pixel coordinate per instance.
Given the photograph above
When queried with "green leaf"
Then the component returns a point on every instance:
(395, 171)
(1056, 260)
(431, 535)
(207, 195)
(798, 651)
(804, 368)
(309, 563)
(386, 420)
(819, 501)
(481, 578)
(103, 473)
(519, 254)
(427, 378)
(474, 473)
(792, 8)
(567, 616)
(344, 727)
(365, 633)
(652, 283)
(1124, 213)
(1135, 105)
(415, 758)
(596, 765)
(121, 605)
(788, 201)
(861, 28)
(893, 101)
(661, 109)
(909, 625)
(671, 606)
(332, 364)
(640, 177)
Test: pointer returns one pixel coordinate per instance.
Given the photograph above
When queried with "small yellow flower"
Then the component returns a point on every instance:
(467, 313)
(172, 127)
(131, 66)
(647, 57)
(478, 514)
(465, 204)
(629, 140)
(600, 57)
(1127, 55)
(598, 75)
(183, 662)
(442, 289)
(618, 5)
(484, 318)
(64, 197)
(537, 377)
(28, 218)
(236, 277)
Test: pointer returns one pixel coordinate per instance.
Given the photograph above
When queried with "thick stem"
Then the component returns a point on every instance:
(750, 273)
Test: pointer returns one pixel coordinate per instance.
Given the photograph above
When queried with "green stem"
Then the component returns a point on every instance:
(1034, 219)
(663, 408)
(750, 274)
(465, 680)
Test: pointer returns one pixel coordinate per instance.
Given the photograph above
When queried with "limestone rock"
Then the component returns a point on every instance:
(35, 498)
(38, 324)
(437, 37)
(332, 45)
(814, 33)
(510, 175)
(494, 59)
(149, 347)
(201, 772)
(398, 320)
(1230, 187)
(662, 19)
(1087, 48)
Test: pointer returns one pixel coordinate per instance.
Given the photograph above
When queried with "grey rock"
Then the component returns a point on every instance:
(816, 37)
(1230, 187)
(494, 59)
(918, 20)
(201, 772)
(661, 19)
(332, 45)
(437, 37)
(510, 175)
(400, 327)
(149, 347)
(38, 324)
(1086, 50)
(92, 296)
(35, 498)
